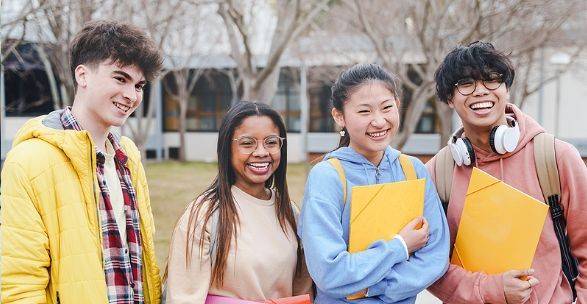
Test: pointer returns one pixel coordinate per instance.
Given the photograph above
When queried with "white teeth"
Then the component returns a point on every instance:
(259, 165)
(481, 105)
(121, 106)
(377, 134)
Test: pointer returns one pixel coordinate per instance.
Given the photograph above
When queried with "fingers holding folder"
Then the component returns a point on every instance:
(517, 285)
(415, 234)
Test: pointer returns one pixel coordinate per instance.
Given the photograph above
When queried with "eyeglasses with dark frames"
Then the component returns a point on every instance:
(467, 86)
(248, 145)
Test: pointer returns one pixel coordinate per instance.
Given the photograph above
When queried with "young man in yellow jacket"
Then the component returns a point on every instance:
(77, 225)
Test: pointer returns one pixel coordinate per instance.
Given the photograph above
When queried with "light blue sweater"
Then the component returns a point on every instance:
(384, 268)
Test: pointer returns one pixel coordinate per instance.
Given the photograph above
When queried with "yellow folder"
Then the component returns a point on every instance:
(379, 212)
(500, 226)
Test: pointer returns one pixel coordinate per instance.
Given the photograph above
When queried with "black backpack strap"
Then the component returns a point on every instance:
(548, 177)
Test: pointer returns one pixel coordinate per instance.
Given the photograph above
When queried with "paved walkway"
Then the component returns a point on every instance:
(427, 298)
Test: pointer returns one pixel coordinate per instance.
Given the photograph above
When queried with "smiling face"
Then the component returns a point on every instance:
(371, 117)
(109, 92)
(252, 170)
(482, 109)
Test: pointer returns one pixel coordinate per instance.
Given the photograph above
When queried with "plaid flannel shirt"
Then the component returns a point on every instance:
(122, 260)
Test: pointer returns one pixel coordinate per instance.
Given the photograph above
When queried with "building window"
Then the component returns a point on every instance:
(320, 109)
(428, 123)
(320, 80)
(207, 105)
(287, 99)
(26, 84)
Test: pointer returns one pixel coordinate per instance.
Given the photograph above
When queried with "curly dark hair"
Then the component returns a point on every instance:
(123, 43)
(477, 60)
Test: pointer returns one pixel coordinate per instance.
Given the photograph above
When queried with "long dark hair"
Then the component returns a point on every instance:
(218, 196)
(351, 79)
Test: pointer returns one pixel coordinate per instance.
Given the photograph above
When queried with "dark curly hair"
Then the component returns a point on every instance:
(120, 42)
(477, 60)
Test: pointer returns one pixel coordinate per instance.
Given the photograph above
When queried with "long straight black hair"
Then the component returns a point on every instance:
(351, 79)
(218, 196)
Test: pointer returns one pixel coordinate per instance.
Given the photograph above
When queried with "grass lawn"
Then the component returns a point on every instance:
(173, 185)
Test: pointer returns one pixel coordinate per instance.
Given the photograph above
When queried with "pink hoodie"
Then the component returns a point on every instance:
(518, 170)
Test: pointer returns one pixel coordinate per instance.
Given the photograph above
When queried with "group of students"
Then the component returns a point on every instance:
(77, 225)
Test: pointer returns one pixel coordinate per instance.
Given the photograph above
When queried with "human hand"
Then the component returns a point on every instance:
(415, 234)
(517, 285)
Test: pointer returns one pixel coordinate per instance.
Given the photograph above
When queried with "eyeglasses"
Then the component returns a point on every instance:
(467, 86)
(248, 145)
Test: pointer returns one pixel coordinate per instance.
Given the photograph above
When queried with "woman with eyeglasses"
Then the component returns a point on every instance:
(237, 240)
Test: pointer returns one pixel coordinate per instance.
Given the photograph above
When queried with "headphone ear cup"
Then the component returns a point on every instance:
(496, 139)
(511, 138)
(469, 152)
(463, 151)
(456, 155)
(492, 138)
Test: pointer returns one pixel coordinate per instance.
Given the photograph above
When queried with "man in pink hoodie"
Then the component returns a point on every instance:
(475, 82)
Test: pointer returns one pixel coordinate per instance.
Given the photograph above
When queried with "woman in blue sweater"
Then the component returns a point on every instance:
(366, 106)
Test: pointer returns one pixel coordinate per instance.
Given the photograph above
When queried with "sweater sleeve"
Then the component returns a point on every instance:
(426, 265)
(573, 179)
(25, 244)
(336, 272)
(458, 285)
(188, 281)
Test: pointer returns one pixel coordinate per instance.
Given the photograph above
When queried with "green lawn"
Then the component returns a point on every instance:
(173, 185)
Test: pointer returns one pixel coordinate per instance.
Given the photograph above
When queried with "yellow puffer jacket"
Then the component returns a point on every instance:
(51, 238)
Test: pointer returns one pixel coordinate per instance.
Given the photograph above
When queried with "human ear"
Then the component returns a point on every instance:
(81, 73)
(338, 117)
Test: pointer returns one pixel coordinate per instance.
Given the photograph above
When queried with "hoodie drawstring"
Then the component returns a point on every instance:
(366, 175)
(501, 168)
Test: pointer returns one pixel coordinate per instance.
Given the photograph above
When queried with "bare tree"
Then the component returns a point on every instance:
(412, 37)
(259, 81)
(157, 18)
(14, 26)
(187, 49)
(179, 85)
(57, 22)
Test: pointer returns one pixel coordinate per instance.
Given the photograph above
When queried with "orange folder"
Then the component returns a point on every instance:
(303, 299)
(500, 227)
(380, 211)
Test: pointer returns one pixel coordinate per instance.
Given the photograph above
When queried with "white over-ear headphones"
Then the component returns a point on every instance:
(502, 139)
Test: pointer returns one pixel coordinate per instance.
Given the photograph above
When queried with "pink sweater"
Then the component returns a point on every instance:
(518, 170)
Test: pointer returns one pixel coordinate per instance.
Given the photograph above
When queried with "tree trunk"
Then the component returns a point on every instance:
(65, 97)
(444, 114)
(183, 104)
(269, 87)
(182, 131)
(248, 93)
(413, 114)
(50, 75)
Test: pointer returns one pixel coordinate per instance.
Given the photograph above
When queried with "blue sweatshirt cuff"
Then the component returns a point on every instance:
(399, 237)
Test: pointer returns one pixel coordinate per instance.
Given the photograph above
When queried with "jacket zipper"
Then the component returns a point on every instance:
(377, 175)
(57, 296)
(96, 198)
